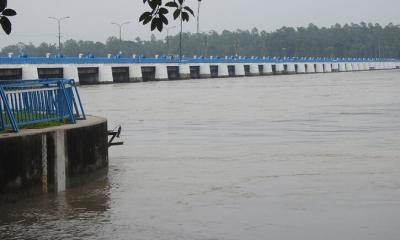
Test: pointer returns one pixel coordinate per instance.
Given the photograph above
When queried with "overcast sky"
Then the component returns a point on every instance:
(90, 19)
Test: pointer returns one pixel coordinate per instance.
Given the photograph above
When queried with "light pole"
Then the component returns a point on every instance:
(168, 36)
(59, 31)
(198, 16)
(120, 25)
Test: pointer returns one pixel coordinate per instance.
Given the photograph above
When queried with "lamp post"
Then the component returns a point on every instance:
(198, 16)
(168, 36)
(120, 25)
(59, 31)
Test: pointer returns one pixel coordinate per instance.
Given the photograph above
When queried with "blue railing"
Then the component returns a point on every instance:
(31, 102)
(170, 59)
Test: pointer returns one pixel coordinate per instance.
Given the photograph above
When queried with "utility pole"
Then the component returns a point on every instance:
(59, 31)
(180, 41)
(198, 16)
(120, 25)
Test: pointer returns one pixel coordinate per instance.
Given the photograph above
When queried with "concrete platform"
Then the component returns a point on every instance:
(37, 161)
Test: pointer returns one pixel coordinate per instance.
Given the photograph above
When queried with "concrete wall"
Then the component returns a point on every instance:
(53, 159)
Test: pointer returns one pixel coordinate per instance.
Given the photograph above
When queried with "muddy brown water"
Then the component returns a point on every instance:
(279, 157)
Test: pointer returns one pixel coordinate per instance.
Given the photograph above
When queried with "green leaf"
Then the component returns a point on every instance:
(171, 4)
(147, 20)
(185, 16)
(153, 24)
(164, 19)
(189, 10)
(177, 13)
(9, 12)
(153, 4)
(3, 5)
(5, 24)
(163, 11)
(180, 2)
(144, 16)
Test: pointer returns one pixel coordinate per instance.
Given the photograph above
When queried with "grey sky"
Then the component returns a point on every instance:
(90, 19)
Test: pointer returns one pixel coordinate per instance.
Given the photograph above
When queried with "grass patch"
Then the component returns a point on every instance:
(19, 117)
(43, 125)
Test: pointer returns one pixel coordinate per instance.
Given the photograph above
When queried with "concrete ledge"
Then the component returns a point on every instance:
(35, 162)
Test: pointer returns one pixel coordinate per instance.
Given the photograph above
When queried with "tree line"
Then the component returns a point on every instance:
(349, 40)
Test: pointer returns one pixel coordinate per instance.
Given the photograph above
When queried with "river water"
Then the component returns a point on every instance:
(278, 157)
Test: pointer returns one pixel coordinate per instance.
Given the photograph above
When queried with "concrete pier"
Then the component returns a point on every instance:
(310, 68)
(267, 69)
(54, 159)
(291, 68)
(301, 68)
(349, 67)
(327, 67)
(223, 70)
(254, 70)
(319, 68)
(184, 71)
(239, 70)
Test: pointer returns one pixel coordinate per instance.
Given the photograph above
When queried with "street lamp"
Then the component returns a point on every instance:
(120, 25)
(120, 29)
(168, 36)
(198, 16)
(59, 31)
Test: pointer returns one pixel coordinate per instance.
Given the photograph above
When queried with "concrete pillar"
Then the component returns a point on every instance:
(349, 67)
(335, 67)
(184, 71)
(135, 73)
(327, 67)
(319, 68)
(71, 72)
(291, 69)
(254, 70)
(301, 68)
(342, 67)
(354, 66)
(205, 71)
(29, 72)
(279, 68)
(310, 68)
(223, 70)
(105, 74)
(161, 72)
(239, 70)
(268, 69)
(361, 66)
(59, 168)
